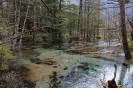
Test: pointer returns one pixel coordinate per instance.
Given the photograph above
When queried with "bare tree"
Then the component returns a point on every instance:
(123, 30)
(34, 24)
(79, 20)
(17, 5)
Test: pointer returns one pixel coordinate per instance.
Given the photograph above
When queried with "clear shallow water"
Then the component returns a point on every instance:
(82, 71)
(114, 42)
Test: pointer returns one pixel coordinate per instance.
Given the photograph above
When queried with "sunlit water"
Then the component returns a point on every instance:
(83, 71)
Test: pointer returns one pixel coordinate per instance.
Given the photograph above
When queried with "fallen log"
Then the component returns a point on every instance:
(112, 83)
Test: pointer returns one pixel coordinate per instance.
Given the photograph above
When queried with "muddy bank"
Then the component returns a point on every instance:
(43, 68)
(41, 73)
(29, 75)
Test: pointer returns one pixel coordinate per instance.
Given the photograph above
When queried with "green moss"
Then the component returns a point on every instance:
(130, 44)
(99, 37)
(5, 52)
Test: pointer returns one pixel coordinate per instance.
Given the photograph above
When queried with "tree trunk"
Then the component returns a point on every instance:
(60, 21)
(8, 10)
(34, 25)
(88, 22)
(85, 21)
(17, 5)
(26, 14)
(1, 7)
(79, 20)
(124, 32)
(55, 31)
(70, 27)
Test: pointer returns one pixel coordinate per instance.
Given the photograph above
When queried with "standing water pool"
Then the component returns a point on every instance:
(81, 70)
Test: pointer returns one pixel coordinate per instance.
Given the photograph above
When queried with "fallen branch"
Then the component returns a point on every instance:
(112, 83)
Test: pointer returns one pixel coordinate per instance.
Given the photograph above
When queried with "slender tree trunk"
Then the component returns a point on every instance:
(88, 22)
(8, 10)
(60, 36)
(124, 32)
(34, 25)
(1, 7)
(85, 21)
(99, 15)
(17, 5)
(124, 69)
(98, 30)
(15, 32)
(70, 18)
(55, 31)
(79, 20)
(60, 20)
(23, 28)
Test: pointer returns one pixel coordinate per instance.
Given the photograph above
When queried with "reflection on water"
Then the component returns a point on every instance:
(54, 83)
(82, 71)
(82, 76)
(114, 42)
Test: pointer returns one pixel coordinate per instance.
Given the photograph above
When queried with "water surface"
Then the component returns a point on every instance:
(83, 71)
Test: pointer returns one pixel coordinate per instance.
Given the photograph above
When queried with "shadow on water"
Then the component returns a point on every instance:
(126, 77)
(62, 46)
(86, 75)
(55, 83)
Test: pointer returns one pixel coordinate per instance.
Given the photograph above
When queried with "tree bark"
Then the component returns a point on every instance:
(17, 5)
(60, 9)
(34, 25)
(123, 30)
(23, 28)
(79, 20)
(1, 7)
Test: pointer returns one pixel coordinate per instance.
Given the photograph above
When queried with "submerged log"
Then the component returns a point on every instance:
(112, 83)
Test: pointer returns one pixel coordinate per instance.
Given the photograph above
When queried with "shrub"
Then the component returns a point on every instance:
(27, 38)
(5, 53)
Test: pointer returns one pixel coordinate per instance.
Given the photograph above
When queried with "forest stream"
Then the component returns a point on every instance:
(78, 66)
